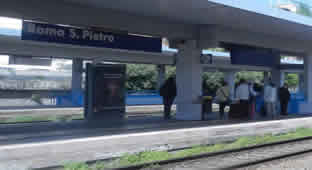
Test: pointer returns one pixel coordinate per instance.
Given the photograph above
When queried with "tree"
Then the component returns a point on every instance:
(141, 77)
(304, 9)
(170, 71)
(292, 80)
(213, 81)
(249, 75)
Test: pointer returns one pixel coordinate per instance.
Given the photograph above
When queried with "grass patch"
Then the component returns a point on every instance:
(84, 166)
(53, 118)
(151, 156)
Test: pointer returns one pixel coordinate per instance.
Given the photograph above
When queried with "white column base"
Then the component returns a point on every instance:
(188, 112)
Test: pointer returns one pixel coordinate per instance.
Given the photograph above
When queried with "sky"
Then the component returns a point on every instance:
(11, 23)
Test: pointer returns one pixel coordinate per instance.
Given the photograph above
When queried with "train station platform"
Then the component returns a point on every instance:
(48, 144)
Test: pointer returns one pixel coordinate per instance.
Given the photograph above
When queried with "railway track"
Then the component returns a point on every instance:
(229, 159)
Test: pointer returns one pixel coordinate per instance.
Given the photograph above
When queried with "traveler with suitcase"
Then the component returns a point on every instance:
(242, 95)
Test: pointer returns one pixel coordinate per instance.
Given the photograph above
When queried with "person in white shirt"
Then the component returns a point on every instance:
(242, 91)
(252, 100)
(270, 98)
(242, 95)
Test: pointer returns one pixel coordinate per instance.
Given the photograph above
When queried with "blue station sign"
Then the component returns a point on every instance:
(86, 37)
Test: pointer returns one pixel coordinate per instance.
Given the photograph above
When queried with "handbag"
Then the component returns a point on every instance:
(227, 101)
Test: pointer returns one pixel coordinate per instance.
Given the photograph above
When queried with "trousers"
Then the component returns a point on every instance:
(168, 101)
(270, 109)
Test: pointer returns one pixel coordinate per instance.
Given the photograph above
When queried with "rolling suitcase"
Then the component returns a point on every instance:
(238, 111)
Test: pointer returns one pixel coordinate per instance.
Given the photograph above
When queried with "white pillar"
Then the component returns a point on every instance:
(230, 79)
(189, 81)
(282, 78)
(77, 75)
(307, 106)
(161, 75)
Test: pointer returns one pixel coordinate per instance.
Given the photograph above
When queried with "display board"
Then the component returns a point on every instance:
(252, 56)
(105, 92)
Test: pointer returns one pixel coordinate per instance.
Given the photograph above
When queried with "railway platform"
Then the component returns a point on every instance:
(48, 144)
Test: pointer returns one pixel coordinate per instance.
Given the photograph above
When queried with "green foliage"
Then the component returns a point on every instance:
(53, 118)
(213, 80)
(249, 76)
(141, 77)
(292, 80)
(144, 77)
(151, 156)
(76, 166)
(170, 71)
(143, 157)
(304, 9)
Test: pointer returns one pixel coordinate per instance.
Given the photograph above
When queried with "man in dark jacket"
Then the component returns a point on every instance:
(168, 91)
(284, 96)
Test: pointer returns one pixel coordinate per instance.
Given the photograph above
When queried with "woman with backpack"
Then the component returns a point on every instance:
(223, 98)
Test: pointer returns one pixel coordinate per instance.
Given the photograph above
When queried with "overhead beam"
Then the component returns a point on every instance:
(60, 12)
(284, 44)
(230, 67)
(13, 45)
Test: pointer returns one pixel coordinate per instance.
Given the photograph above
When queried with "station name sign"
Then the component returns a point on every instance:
(86, 37)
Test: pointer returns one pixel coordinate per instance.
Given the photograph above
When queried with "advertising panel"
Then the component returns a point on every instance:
(106, 91)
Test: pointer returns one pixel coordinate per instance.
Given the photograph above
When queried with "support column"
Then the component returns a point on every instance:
(230, 79)
(161, 75)
(189, 81)
(308, 78)
(77, 69)
(307, 106)
(276, 77)
(301, 83)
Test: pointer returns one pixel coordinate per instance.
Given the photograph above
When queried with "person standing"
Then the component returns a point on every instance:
(242, 95)
(284, 96)
(252, 100)
(270, 97)
(168, 91)
(223, 97)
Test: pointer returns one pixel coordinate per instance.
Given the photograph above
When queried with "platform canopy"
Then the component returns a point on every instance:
(253, 23)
